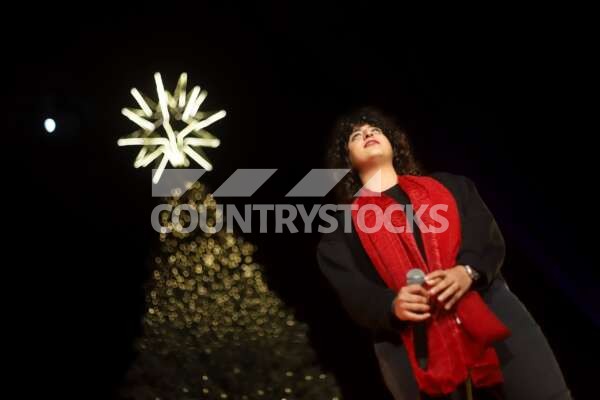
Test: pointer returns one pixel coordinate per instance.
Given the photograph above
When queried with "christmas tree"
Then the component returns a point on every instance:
(212, 328)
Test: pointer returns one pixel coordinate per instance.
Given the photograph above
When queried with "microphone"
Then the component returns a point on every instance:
(416, 276)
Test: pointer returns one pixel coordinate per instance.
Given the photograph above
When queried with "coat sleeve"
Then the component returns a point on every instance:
(366, 302)
(482, 246)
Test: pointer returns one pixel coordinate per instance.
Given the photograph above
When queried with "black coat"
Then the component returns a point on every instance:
(528, 364)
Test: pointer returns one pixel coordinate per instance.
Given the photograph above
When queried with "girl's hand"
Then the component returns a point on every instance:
(411, 303)
(449, 285)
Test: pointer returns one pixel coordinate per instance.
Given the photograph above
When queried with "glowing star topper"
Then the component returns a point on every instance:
(182, 125)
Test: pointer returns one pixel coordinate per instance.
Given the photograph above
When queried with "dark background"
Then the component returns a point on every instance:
(498, 95)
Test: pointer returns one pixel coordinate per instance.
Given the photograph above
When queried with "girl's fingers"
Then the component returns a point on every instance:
(450, 290)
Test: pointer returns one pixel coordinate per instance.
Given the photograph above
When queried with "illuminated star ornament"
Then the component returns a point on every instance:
(182, 124)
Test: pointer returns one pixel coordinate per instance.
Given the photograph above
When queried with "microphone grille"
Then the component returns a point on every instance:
(415, 276)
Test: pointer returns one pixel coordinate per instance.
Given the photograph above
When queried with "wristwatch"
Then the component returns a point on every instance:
(472, 273)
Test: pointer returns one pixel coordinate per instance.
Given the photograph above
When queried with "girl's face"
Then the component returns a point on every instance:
(368, 146)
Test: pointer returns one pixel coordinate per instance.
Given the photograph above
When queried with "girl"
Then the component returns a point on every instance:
(460, 333)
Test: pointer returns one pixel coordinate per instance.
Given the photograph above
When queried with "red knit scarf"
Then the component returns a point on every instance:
(458, 340)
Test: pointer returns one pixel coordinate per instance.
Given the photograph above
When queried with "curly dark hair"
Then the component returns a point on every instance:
(338, 157)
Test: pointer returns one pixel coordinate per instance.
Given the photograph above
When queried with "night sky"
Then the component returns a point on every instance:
(498, 96)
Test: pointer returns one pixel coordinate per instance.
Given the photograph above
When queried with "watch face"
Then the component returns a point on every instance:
(472, 273)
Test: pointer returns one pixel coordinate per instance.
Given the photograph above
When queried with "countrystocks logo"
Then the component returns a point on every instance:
(280, 217)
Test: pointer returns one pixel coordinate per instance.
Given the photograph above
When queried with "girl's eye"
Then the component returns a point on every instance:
(354, 137)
